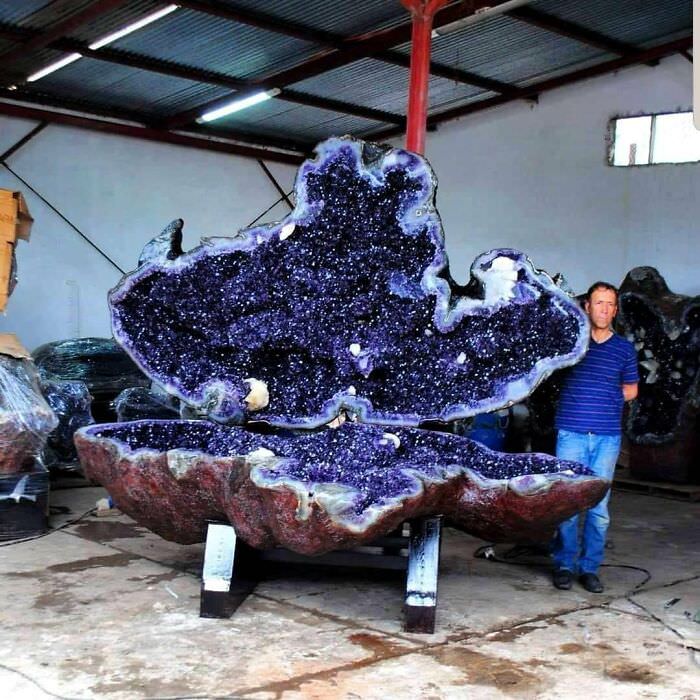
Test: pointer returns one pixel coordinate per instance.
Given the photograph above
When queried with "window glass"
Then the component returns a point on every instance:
(632, 138)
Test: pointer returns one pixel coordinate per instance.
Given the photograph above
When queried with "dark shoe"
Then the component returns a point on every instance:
(562, 579)
(591, 583)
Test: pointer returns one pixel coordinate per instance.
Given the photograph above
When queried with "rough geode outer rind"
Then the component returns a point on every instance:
(315, 491)
(665, 330)
(347, 303)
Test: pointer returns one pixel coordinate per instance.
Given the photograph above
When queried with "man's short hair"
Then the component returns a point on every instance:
(601, 285)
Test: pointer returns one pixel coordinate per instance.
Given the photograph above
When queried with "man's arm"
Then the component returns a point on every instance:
(630, 391)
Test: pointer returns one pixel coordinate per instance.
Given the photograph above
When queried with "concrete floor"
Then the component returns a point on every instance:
(105, 609)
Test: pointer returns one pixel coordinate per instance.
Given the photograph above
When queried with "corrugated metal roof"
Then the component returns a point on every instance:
(507, 50)
(39, 13)
(345, 18)
(632, 21)
(116, 19)
(499, 48)
(208, 42)
(109, 84)
(372, 83)
(311, 123)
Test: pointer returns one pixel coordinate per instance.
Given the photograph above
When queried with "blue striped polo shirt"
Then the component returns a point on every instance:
(591, 398)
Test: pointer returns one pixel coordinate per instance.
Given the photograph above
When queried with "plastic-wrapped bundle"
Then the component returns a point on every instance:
(25, 417)
(70, 401)
(98, 362)
(138, 403)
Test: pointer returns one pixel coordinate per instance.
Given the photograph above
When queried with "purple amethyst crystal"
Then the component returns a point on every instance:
(314, 491)
(346, 304)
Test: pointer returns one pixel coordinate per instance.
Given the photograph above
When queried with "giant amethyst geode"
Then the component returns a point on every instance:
(347, 303)
(314, 491)
(346, 306)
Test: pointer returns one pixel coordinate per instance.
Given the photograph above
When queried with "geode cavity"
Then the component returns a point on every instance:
(314, 491)
(346, 304)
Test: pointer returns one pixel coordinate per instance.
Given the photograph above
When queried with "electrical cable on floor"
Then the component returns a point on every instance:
(487, 551)
(50, 531)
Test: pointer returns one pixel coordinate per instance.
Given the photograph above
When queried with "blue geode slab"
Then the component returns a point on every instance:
(346, 304)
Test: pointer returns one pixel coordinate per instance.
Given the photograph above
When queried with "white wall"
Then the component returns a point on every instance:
(536, 178)
(119, 192)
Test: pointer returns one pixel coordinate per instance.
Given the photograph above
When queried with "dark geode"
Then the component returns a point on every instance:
(70, 402)
(347, 303)
(665, 330)
(314, 491)
(664, 422)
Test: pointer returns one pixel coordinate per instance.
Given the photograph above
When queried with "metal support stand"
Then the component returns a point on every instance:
(221, 591)
(230, 568)
(422, 580)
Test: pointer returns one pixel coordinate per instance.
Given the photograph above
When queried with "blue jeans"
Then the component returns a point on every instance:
(599, 453)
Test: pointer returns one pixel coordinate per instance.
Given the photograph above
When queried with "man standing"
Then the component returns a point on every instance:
(589, 422)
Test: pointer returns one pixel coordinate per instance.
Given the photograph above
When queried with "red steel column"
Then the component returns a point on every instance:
(422, 12)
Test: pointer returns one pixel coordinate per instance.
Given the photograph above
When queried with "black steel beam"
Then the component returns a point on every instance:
(148, 134)
(354, 49)
(24, 140)
(43, 39)
(571, 30)
(333, 41)
(177, 70)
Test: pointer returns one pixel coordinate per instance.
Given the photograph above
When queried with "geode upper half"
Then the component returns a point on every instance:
(346, 304)
(315, 491)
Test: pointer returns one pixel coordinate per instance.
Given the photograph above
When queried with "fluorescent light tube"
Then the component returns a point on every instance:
(134, 26)
(57, 65)
(238, 105)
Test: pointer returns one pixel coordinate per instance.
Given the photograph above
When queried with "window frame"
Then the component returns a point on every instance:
(610, 138)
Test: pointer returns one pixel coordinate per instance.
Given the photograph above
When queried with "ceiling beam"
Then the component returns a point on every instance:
(443, 71)
(571, 30)
(178, 70)
(148, 134)
(43, 38)
(91, 109)
(642, 56)
(353, 49)
(334, 41)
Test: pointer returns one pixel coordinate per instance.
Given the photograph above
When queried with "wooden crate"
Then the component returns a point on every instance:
(15, 224)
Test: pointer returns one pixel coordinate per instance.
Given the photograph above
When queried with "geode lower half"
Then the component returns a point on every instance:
(315, 491)
(346, 304)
